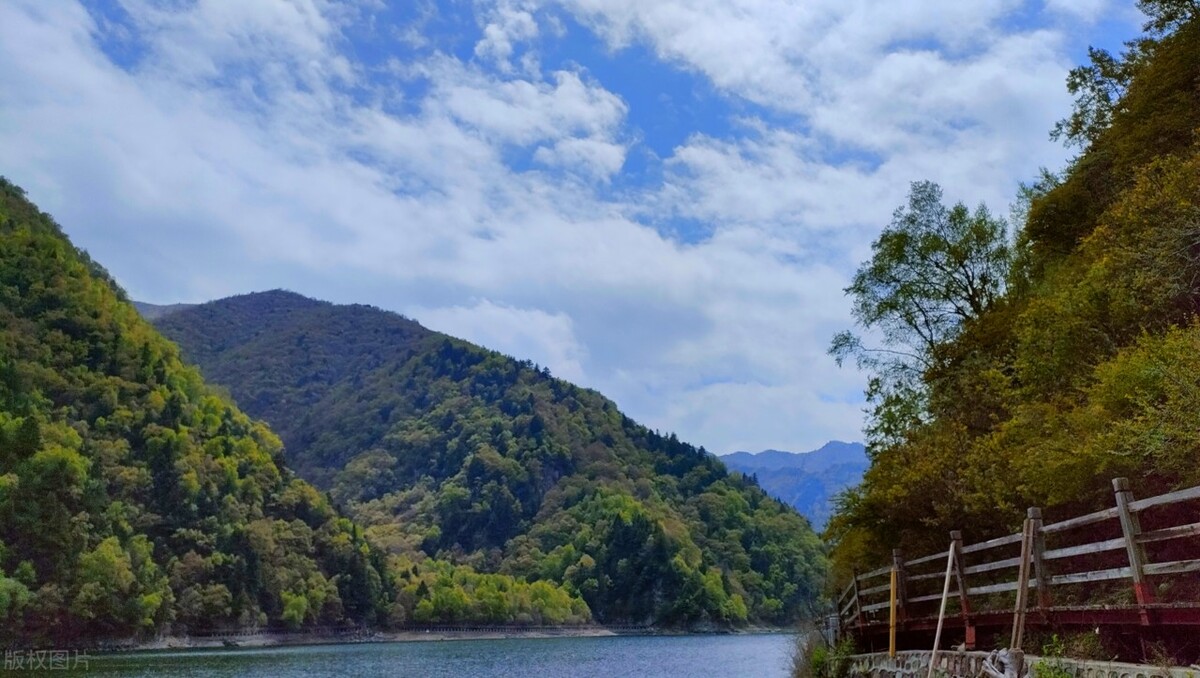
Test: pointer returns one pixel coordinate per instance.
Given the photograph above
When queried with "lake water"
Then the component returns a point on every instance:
(728, 656)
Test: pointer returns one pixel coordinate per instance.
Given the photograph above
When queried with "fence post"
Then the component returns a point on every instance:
(901, 592)
(898, 600)
(892, 598)
(1017, 659)
(1018, 632)
(858, 615)
(1039, 564)
(941, 620)
(1132, 529)
(964, 604)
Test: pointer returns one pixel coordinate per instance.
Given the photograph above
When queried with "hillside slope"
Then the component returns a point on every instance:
(133, 498)
(449, 450)
(807, 481)
(1086, 369)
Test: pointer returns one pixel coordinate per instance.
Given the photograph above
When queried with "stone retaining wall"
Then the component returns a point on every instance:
(969, 665)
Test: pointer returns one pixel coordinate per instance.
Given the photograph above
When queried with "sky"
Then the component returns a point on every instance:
(659, 199)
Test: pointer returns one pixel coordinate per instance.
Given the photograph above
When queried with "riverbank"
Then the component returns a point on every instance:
(415, 635)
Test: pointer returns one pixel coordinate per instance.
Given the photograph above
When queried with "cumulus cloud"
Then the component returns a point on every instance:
(593, 157)
(223, 147)
(782, 53)
(528, 333)
(1088, 10)
(523, 111)
(507, 26)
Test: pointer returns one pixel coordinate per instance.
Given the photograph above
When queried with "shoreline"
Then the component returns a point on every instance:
(432, 634)
(305, 639)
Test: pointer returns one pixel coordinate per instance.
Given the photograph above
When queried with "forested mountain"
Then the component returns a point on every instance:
(808, 481)
(446, 450)
(1033, 373)
(132, 496)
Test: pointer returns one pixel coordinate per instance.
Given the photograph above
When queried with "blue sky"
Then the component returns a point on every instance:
(661, 200)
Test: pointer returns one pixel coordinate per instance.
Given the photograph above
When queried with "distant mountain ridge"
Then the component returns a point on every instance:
(808, 481)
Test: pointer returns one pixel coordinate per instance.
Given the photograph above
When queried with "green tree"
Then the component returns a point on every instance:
(1098, 88)
(106, 581)
(1100, 85)
(1165, 16)
(295, 609)
(14, 596)
(932, 270)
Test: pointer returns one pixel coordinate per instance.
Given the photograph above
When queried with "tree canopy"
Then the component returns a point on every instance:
(932, 270)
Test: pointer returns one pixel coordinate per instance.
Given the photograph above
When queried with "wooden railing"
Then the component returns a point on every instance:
(1117, 549)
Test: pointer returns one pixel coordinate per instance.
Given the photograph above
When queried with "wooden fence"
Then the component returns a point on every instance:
(1102, 561)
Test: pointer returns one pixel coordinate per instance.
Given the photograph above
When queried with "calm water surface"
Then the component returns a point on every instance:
(752, 656)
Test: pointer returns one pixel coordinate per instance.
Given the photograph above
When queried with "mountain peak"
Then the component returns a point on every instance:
(831, 453)
(806, 480)
(276, 299)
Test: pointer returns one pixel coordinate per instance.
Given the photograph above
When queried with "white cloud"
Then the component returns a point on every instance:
(526, 333)
(245, 148)
(523, 111)
(506, 25)
(286, 41)
(1087, 10)
(593, 157)
(781, 53)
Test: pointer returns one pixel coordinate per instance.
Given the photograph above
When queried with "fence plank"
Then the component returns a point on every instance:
(875, 589)
(1169, 498)
(1177, 567)
(994, 543)
(935, 596)
(992, 588)
(1081, 521)
(876, 573)
(997, 565)
(1085, 549)
(1095, 575)
(845, 611)
(1170, 533)
(928, 559)
(846, 594)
